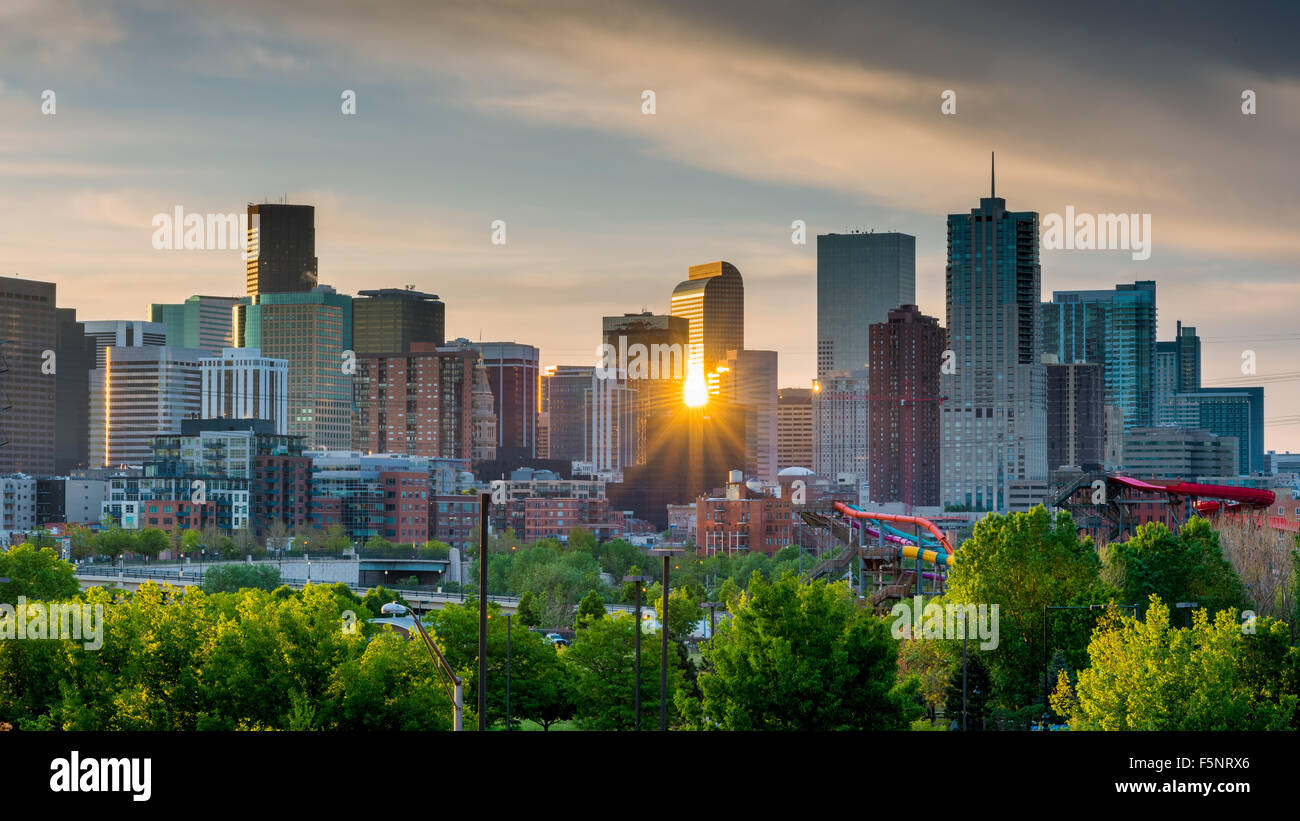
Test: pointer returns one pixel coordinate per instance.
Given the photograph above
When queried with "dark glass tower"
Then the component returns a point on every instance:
(281, 249)
(860, 279)
(389, 320)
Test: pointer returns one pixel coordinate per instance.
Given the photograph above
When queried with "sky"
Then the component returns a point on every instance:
(765, 113)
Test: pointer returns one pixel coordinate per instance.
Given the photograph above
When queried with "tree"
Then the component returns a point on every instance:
(1025, 562)
(602, 678)
(229, 578)
(933, 668)
(526, 611)
(684, 613)
(1151, 675)
(1184, 567)
(190, 541)
(37, 575)
(591, 607)
(84, 542)
(115, 542)
(151, 542)
(277, 535)
(802, 656)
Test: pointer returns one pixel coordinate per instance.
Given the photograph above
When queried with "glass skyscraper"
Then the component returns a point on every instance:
(1116, 329)
(860, 279)
(995, 417)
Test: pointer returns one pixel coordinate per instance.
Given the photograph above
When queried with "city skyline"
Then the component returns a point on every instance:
(604, 204)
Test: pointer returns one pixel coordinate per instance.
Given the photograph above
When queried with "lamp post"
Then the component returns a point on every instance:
(713, 608)
(964, 635)
(667, 553)
(638, 581)
(483, 500)
(458, 719)
(507, 672)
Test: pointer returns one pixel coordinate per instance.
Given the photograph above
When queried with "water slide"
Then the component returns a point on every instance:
(1234, 496)
(908, 547)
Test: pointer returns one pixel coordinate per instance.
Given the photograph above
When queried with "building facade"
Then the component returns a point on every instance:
(794, 428)
(419, 402)
(712, 300)
(281, 249)
(861, 277)
(1076, 415)
(240, 383)
(390, 320)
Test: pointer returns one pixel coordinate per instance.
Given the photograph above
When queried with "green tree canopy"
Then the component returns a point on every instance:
(37, 575)
(1187, 567)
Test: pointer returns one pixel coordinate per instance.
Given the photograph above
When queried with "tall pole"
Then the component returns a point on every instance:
(1045, 702)
(637, 641)
(964, 634)
(507, 673)
(663, 655)
(483, 500)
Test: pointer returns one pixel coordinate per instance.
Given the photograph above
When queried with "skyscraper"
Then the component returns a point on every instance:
(1164, 383)
(1113, 328)
(564, 400)
(1227, 412)
(903, 456)
(198, 322)
(749, 379)
(860, 279)
(124, 333)
(76, 360)
(419, 402)
(712, 298)
(840, 426)
(995, 418)
(281, 249)
(148, 392)
(1188, 351)
(389, 320)
(28, 386)
(243, 384)
(312, 331)
(794, 436)
(652, 350)
(512, 371)
(1076, 415)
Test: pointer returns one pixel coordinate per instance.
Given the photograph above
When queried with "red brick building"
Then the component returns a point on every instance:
(280, 490)
(742, 520)
(418, 402)
(553, 518)
(405, 507)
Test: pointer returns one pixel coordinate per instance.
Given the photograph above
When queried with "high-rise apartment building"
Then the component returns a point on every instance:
(840, 426)
(861, 277)
(28, 387)
(1188, 350)
(281, 249)
(513, 374)
(147, 392)
(712, 299)
(312, 331)
(565, 390)
(243, 384)
(995, 417)
(418, 403)
(1227, 412)
(903, 457)
(1076, 415)
(390, 320)
(794, 428)
(198, 322)
(749, 379)
(1164, 383)
(1113, 328)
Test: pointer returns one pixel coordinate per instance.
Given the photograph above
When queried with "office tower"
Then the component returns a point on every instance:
(1076, 415)
(1115, 328)
(198, 322)
(243, 384)
(390, 320)
(75, 361)
(840, 426)
(1178, 454)
(281, 249)
(1113, 457)
(418, 402)
(610, 418)
(28, 387)
(1227, 412)
(652, 350)
(794, 428)
(312, 331)
(512, 371)
(484, 416)
(124, 333)
(147, 392)
(903, 457)
(995, 417)
(712, 298)
(565, 390)
(1164, 383)
(1188, 348)
(860, 279)
(748, 378)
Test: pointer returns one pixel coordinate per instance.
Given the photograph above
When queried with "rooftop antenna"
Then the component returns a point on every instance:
(993, 179)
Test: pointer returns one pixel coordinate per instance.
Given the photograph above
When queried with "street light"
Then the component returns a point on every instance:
(638, 580)
(395, 609)
(666, 552)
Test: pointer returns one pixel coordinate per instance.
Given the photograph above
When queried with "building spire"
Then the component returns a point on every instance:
(993, 175)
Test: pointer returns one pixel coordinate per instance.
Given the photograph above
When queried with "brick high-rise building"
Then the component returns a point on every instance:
(1076, 415)
(390, 320)
(417, 403)
(794, 437)
(906, 353)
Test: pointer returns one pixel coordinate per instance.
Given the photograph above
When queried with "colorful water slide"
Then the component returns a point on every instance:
(909, 550)
(1234, 495)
